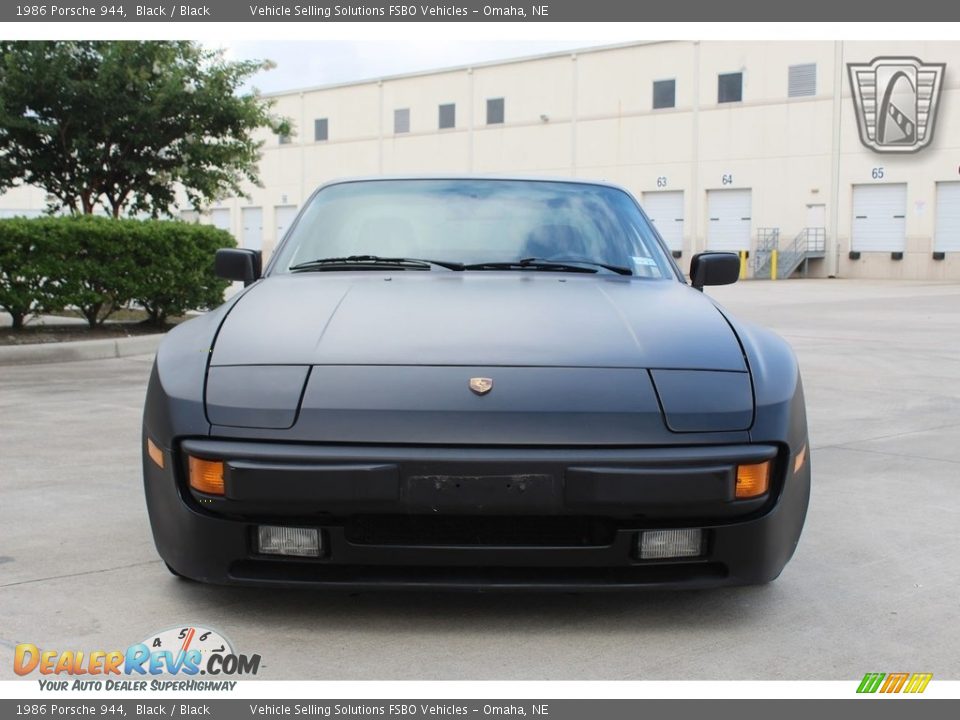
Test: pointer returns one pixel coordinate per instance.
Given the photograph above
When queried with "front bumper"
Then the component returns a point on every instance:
(476, 518)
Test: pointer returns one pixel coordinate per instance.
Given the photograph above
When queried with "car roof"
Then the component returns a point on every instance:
(477, 176)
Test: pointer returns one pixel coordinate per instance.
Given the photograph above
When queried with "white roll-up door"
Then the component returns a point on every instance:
(728, 219)
(665, 210)
(947, 238)
(284, 216)
(252, 237)
(220, 218)
(879, 217)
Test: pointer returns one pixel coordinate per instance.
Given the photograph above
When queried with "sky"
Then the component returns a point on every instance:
(302, 64)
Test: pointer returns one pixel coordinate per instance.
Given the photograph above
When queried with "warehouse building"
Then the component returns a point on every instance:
(844, 157)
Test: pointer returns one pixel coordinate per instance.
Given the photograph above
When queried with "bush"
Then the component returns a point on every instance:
(26, 270)
(99, 264)
(95, 260)
(175, 268)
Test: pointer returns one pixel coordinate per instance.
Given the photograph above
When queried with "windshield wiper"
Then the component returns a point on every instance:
(618, 269)
(372, 262)
(533, 263)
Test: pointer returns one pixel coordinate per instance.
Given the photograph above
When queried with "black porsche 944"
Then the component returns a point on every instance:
(474, 383)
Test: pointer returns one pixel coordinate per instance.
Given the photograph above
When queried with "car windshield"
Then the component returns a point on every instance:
(477, 222)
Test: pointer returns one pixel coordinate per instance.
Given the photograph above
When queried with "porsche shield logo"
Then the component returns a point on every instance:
(896, 99)
(481, 386)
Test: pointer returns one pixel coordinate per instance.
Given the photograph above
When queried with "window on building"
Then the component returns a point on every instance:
(664, 94)
(495, 111)
(802, 80)
(730, 87)
(448, 116)
(320, 129)
(284, 139)
(401, 121)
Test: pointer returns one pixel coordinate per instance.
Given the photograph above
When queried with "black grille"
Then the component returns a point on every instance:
(479, 531)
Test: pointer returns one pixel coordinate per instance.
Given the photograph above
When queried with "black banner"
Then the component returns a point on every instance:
(261, 11)
(853, 709)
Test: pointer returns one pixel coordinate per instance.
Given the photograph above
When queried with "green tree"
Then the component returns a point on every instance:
(122, 125)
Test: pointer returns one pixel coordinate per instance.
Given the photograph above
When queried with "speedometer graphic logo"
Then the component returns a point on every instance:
(190, 639)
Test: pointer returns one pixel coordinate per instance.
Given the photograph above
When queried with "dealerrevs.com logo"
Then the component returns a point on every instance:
(187, 652)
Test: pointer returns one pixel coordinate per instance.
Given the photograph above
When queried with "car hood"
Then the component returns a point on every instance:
(492, 319)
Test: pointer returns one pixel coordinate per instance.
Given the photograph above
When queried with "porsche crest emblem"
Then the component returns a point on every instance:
(480, 385)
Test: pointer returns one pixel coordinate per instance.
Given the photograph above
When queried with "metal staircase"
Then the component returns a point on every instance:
(809, 244)
(768, 241)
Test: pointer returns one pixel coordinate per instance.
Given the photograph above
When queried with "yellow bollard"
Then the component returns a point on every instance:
(773, 264)
(743, 264)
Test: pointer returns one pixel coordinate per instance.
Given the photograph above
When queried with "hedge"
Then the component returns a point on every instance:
(98, 265)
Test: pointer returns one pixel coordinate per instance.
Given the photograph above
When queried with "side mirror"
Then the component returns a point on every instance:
(238, 264)
(714, 268)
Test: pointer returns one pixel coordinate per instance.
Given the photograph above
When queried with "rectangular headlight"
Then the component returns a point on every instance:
(299, 542)
(663, 544)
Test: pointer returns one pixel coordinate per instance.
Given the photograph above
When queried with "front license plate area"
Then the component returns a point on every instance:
(506, 494)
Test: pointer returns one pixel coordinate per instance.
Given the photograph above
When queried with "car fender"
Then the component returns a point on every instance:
(174, 404)
(780, 414)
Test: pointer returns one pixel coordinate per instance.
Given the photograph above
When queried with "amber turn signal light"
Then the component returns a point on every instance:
(753, 480)
(801, 459)
(206, 476)
(155, 453)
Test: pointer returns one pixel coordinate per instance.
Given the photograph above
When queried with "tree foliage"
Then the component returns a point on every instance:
(122, 124)
(98, 265)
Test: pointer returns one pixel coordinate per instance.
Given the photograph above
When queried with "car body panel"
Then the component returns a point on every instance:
(258, 396)
(509, 319)
(704, 400)
(342, 401)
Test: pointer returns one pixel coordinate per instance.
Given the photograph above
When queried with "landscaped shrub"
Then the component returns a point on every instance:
(175, 268)
(95, 258)
(26, 269)
(99, 264)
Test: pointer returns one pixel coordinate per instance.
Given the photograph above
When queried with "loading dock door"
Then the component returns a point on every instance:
(284, 216)
(728, 220)
(220, 218)
(665, 210)
(252, 237)
(879, 217)
(947, 238)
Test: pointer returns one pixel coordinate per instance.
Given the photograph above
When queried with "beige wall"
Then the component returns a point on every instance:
(940, 161)
(589, 114)
(22, 200)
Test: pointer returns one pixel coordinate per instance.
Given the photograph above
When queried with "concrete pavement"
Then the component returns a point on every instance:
(873, 586)
(57, 352)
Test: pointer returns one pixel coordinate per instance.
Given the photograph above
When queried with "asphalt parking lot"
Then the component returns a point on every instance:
(874, 586)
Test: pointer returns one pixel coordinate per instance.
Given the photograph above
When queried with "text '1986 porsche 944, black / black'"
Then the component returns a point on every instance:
(474, 383)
